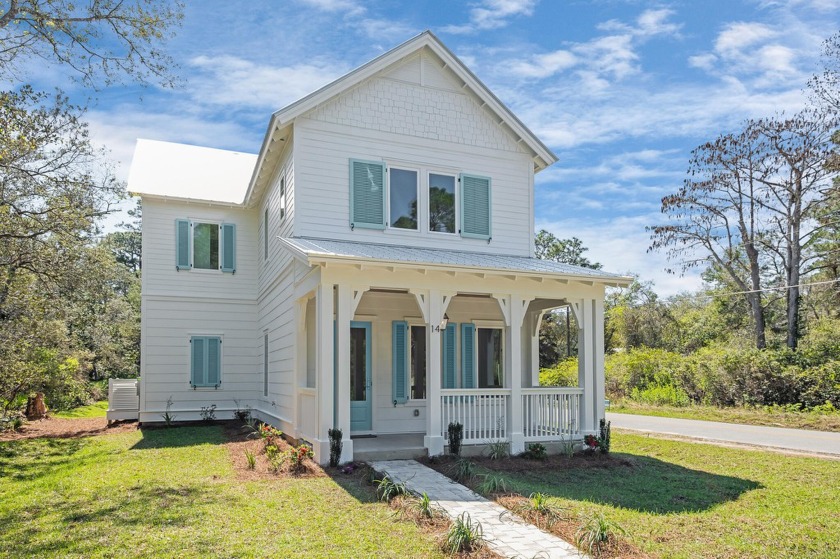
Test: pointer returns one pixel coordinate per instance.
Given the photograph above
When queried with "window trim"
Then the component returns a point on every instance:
(489, 325)
(282, 196)
(218, 225)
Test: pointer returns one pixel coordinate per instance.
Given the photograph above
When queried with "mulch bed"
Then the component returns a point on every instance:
(564, 525)
(68, 428)
(241, 438)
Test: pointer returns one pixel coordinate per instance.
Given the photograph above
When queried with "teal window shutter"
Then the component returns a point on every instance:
(367, 194)
(399, 348)
(468, 355)
(228, 247)
(448, 352)
(206, 361)
(475, 207)
(182, 244)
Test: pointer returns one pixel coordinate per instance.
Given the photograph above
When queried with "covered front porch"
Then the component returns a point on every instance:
(395, 351)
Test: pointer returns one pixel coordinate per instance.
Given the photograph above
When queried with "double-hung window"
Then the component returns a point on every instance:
(205, 246)
(402, 198)
(441, 203)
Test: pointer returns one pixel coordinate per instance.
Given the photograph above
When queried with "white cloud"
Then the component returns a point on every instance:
(348, 6)
(232, 81)
(648, 24)
(387, 30)
(492, 14)
(545, 65)
(737, 36)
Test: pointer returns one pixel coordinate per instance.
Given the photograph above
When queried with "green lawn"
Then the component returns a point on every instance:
(688, 500)
(94, 410)
(174, 493)
(776, 417)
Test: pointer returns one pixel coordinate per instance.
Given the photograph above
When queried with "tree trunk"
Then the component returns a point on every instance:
(754, 298)
(35, 407)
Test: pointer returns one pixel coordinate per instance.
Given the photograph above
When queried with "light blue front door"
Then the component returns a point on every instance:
(360, 377)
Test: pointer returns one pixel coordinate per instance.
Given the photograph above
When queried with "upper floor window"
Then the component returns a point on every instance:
(205, 246)
(282, 197)
(452, 204)
(441, 203)
(402, 197)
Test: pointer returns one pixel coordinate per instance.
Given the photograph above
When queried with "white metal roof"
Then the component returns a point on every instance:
(314, 250)
(190, 172)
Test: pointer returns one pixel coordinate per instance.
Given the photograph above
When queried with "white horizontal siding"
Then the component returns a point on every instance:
(322, 157)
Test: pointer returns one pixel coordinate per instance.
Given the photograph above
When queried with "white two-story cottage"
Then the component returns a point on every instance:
(372, 269)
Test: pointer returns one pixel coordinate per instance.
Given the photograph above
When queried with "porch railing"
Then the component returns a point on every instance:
(483, 413)
(551, 414)
(548, 413)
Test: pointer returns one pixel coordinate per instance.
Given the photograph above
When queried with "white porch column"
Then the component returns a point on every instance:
(516, 317)
(324, 364)
(599, 391)
(586, 363)
(435, 307)
(343, 316)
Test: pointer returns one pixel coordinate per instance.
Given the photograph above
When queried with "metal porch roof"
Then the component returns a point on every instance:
(382, 253)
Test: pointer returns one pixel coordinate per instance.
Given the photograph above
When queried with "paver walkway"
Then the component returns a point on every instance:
(800, 440)
(505, 533)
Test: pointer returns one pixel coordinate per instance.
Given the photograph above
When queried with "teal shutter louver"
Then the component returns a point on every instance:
(468, 356)
(182, 244)
(227, 260)
(448, 352)
(399, 348)
(367, 194)
(205, 361)
(475, 207)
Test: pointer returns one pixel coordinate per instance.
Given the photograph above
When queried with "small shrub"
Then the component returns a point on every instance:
(657, 395)
(251, 458)
(208, 413)
(242, 415)
(463, 470)
(271, 451)
(535, 451)
(590, 443)
(336, 445)
(497, 450)
(12, 423)
(387, 488)
(269, 434)
(464, 535)
(539, 504)
(168, 417)
(604, 436)
(455, 433)
(276, 461)
(595, 531)
(297, 457)
(494, 483)
(424, 506)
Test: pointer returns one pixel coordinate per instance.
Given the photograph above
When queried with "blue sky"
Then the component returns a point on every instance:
(621, 91)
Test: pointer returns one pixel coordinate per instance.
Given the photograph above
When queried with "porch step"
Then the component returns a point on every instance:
(389, 447)
(388, 454)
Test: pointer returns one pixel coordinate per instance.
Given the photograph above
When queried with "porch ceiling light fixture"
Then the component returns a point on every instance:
(445, 322)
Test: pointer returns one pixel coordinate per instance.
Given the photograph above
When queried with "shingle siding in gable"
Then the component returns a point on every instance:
(402, 108)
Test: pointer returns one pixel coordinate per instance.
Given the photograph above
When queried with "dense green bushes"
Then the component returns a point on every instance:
(717, 375)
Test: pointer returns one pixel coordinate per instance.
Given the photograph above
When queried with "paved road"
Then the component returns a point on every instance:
(799, 440)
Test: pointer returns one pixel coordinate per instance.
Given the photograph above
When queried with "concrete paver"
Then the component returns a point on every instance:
(798, 440)
(504, 532)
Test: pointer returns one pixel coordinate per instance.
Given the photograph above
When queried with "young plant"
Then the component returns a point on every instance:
(297, 457)
(536, 451)
(271, 451)
(242, 415)
(464, 535)
(463, 470)
(567, 448)
(595, 531)
(168, 417)
(424, 506)
(590, 443)
(498, 450)
(208, 413)
(251, 458)
(604, 437)
(336, 445)
(387, 488)
(455, 432)
(494, 483)
(539, 504)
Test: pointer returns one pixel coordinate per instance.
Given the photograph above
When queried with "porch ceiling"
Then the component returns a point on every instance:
(319, 251)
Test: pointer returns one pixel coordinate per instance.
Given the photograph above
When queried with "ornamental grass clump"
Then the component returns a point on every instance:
(464, 535)
(595, 532)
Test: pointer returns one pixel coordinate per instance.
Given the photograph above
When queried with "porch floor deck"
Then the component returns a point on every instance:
(388, 447)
